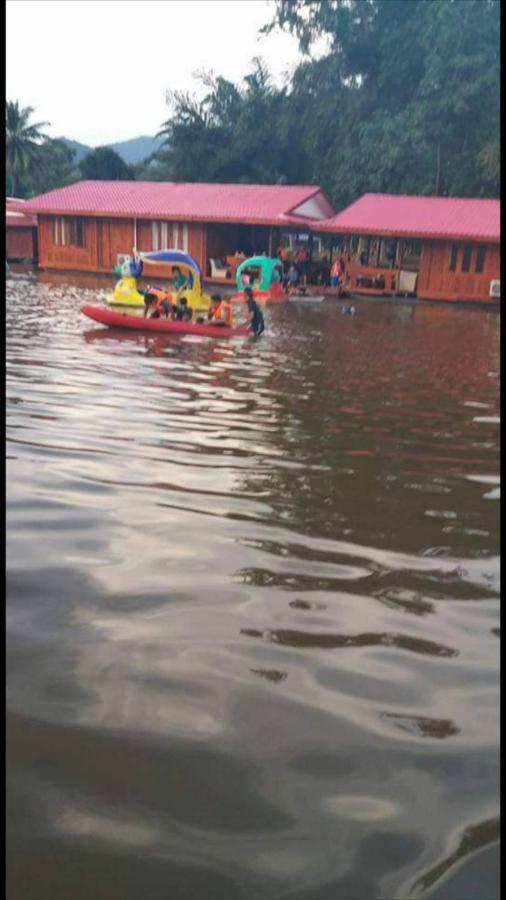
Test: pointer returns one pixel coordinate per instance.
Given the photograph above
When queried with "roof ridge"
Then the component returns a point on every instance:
(428, 197)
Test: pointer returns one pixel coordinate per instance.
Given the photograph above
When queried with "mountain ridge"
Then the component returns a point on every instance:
(132, 151)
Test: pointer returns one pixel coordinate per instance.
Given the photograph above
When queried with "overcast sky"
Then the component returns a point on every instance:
(97, 70)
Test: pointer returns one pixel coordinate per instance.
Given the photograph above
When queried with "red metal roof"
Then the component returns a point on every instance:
(16, 217)
(431, 217)
(250, 203)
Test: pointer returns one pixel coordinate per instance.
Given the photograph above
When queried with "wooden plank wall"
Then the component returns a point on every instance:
(20, 243)
(106, 238)
(437, 282)
(79, 259)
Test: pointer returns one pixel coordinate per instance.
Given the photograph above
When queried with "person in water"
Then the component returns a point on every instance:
(220, 312)
(156, 303)
(256, 320)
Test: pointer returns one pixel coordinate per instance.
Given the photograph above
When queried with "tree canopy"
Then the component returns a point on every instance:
(104, 164)
(22, 142)
(406, 100)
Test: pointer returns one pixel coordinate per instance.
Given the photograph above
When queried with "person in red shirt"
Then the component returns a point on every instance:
(335, 273)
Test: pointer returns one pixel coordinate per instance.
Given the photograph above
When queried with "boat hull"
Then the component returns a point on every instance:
(161, 326)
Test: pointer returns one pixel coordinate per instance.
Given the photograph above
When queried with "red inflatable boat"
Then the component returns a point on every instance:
(161, 326)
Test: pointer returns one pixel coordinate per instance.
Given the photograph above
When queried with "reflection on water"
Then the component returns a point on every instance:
(252, 604)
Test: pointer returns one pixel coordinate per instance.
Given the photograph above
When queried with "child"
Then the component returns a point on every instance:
(292, 277)
(183, 312)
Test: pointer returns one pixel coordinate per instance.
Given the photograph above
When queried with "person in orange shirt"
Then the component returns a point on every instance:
(220, 312)
(157, 303)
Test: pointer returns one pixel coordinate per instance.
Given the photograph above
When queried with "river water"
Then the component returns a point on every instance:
(252, 605)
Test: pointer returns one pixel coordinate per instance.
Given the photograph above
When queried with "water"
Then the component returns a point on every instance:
(253, 618)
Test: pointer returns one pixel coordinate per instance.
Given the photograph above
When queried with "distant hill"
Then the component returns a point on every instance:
(80, 150)
(132, 151)
(136, 149)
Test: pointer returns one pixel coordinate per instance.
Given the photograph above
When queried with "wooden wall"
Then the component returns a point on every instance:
(106, 238)
(437, 282)
(20, 243)
(81, 259)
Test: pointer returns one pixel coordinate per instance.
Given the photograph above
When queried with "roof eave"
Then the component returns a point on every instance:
(278, 221)
(400, 233)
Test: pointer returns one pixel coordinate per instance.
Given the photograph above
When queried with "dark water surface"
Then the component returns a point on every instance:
(253, 605)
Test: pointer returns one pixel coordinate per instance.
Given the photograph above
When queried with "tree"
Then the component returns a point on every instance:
(416, 89)
(22, 141)
(405, 100)
(55, 168)
(104, 164)
(235, 133)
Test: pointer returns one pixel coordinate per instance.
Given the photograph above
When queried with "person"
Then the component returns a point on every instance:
(256, 319)
(335, 273)
(292, 277)
(302, 259)
(284, 255)
(156, 302)
(179, 281)
(182, 312)
(220, 312)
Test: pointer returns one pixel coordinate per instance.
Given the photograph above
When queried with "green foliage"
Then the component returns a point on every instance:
(55, 168)
(22, 143)
(104, 164)
(406, 100)
(418, 88)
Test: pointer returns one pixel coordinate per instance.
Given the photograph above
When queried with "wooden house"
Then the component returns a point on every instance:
(20, 232)
(87, 226)
(434, 248)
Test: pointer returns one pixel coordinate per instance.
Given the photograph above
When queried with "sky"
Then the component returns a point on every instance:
(98, 70)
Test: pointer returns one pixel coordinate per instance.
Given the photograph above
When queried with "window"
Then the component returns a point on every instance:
(408, 254)
(154, 236)
(466, 257)
(76, 233)
(480, 259)
(387, 254)
(453, 258)
(169, 235)
(363, 250)
(68, 232)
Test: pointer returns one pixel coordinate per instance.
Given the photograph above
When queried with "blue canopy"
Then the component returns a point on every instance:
(176, 257)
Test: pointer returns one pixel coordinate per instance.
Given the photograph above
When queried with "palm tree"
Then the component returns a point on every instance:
(21, 141)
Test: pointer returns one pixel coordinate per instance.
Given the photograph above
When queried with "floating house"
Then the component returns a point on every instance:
(434, 248)
(89, 225)
(20, 232)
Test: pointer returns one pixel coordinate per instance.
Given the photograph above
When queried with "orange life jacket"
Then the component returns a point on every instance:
(160, 296)
(223, 312)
